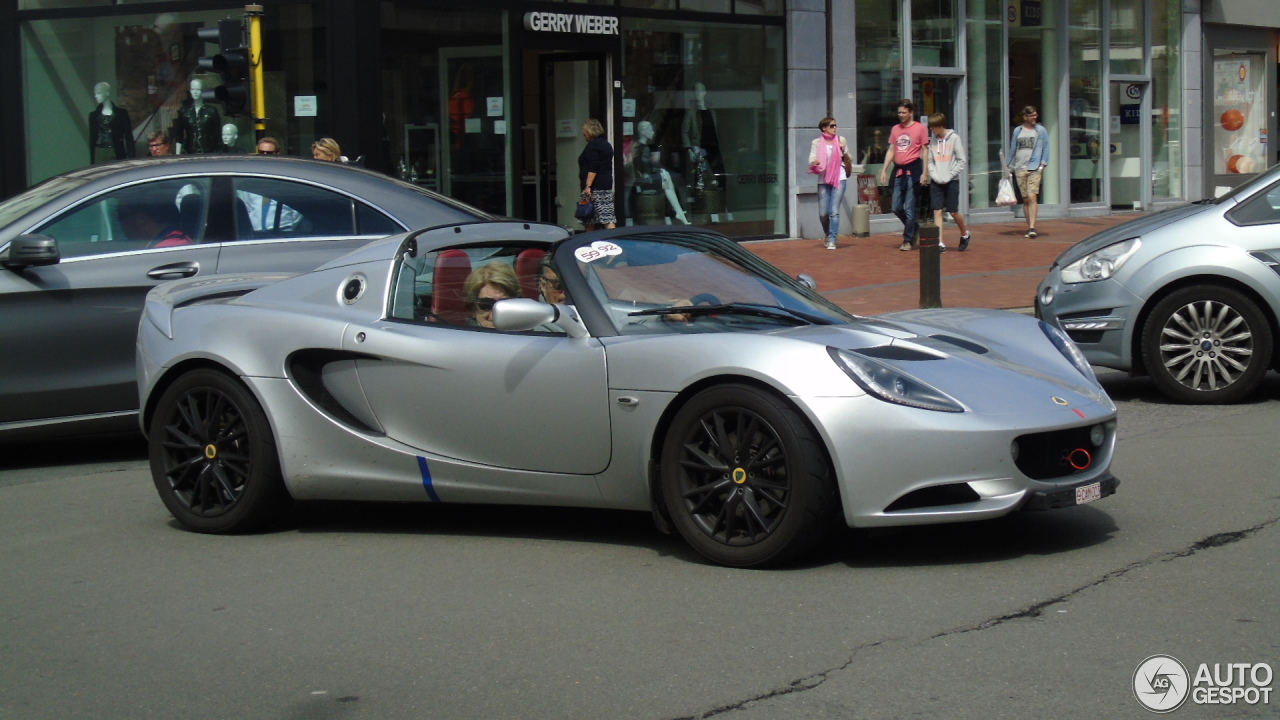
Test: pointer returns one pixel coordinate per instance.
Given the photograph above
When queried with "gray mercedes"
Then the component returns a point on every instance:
(80, 251)
(1189, 296)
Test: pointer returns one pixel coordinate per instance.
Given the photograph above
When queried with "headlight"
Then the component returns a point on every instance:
(1068, 350)
(1101, 264)
(892, 385)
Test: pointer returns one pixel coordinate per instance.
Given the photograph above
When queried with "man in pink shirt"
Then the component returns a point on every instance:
(905, 165)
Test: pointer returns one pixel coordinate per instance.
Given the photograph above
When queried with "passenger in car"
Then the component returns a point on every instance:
(485, 286)
(549, 283)
(154, 221)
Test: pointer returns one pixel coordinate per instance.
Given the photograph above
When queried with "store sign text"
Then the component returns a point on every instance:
(570, 23)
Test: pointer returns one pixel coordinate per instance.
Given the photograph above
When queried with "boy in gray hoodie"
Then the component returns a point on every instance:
(946, 164)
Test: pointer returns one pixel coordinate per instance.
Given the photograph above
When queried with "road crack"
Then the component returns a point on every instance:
(803, 684)
(1036, 610)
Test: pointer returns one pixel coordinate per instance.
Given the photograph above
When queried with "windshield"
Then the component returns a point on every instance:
(674, 282)
(19, 205)
(1247, 186)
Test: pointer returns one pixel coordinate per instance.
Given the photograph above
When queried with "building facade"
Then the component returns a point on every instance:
(709, 104)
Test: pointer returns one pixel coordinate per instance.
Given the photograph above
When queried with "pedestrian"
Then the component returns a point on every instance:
(906, 164)
(158, 143)
(327, 149)
(268, 146)
(829, 160)
(1029, 150)
(595, 172)
(946, 163)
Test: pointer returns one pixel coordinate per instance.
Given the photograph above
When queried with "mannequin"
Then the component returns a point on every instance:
(648, 176)
(110, 131)
(230, 134)
(198, 127)
(700, 136)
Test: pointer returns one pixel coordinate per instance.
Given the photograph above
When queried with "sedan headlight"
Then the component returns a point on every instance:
(1068, 350)
(1100, 264)
(892, 385)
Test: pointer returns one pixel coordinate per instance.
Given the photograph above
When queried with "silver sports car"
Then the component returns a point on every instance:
(663, 370)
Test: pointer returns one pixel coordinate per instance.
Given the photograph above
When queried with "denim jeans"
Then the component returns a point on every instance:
(829, 199)
(906, 188)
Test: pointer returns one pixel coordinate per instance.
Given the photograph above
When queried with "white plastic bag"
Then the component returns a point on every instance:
(1004, 192)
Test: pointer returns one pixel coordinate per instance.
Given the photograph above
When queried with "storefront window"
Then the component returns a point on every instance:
(1085, 91)
(880, 87)
(703, 114)
(1127, 23)
(986, 107)
(1166, 100)
(1239, 95)
(95, 88)
(445, 101)
(933, 33)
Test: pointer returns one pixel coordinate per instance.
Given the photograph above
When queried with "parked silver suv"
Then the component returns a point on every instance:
(1189, 296)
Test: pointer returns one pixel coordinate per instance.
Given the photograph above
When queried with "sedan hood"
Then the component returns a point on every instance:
(1133, 228)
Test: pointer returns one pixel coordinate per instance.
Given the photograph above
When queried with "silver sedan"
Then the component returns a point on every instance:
(79, 253)
(668, 371)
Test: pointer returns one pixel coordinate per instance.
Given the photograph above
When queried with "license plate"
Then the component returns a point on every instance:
(1088, 493)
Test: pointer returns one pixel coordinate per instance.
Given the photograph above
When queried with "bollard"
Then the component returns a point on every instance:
(930, 266)
(861, 220)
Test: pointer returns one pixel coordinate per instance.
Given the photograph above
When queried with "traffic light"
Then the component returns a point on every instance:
(232, 63)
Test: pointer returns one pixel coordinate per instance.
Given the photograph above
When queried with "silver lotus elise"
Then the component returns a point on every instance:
(651, 369)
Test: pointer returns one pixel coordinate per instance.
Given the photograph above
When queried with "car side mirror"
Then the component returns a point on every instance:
(520, 314)
(807, 280)
(27, 251)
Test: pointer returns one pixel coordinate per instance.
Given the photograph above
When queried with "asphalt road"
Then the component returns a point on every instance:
(376, 611)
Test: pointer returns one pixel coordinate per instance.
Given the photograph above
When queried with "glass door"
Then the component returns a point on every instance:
(1129, 125)
(572, 89)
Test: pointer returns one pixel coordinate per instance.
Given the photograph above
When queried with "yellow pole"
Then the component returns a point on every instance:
(254, 14)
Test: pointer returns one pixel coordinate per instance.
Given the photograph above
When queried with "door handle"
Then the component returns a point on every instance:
(174, 271)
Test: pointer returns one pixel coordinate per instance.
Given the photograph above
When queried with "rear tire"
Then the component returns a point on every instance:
(744, 478)
(1206, 345)
(213, 458)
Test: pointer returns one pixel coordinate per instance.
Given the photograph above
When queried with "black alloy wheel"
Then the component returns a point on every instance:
(744, 479)
(213, 459)
(1207, 344)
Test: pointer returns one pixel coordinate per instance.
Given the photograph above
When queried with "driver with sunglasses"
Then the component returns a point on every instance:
(485, 286)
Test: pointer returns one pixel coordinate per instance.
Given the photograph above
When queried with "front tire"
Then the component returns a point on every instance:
(745, 480)
(213, 458)
(1207, 345)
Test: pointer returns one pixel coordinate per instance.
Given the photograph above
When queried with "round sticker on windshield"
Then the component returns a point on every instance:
(596, 250)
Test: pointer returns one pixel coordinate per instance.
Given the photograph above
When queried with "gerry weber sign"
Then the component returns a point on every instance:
(570, 23)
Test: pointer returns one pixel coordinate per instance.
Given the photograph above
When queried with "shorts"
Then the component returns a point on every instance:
(945, 196)
(1029, 181)
(605, 213)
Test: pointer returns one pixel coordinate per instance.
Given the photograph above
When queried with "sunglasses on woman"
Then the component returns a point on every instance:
(486, 304)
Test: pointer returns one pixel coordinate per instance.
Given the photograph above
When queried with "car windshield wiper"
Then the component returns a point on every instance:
(770, 311)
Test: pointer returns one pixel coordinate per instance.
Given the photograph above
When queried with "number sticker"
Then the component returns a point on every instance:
(596, 250)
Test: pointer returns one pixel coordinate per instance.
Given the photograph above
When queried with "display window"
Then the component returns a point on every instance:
(1239, 94)
(702, 126)
(96, 88)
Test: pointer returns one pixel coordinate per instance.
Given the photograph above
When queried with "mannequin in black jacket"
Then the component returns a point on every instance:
(110, 131)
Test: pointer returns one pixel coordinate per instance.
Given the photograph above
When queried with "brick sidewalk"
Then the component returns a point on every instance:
(1001, 268)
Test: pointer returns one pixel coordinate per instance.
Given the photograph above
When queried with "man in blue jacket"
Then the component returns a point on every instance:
(1029, 156)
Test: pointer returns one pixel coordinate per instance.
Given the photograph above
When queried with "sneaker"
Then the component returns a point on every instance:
(942, 247)
(964, 242)
(1030, 233)
(830, 245)
(905, 246)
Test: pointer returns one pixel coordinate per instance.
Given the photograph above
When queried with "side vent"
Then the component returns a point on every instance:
(307, 369)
